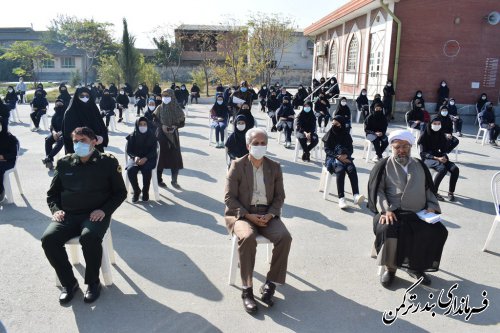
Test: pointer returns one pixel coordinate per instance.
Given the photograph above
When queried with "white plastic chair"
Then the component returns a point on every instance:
(127, 115)
(44, 121)
(298, 149)
(112, 123)
(324, 182)
(481, 131)
(212, 132)
(9, 196)
(154, 179)
(108, 256)
(14, 115)
(495, 191)
(234, 260)
(367, 148)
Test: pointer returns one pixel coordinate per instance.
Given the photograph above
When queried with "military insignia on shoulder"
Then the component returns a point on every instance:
(119, 168)
(109, 155)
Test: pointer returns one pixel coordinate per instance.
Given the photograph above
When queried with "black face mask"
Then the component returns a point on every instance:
(337, 129)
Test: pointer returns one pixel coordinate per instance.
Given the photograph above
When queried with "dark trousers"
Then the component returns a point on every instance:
(141, 103)
(380, 144)
(451, 144)
(4, 166)
(5, 123)
(340, 170)
(219, 126)
(91, 235)
(287, 128)
(21, 97)
(195, 98)
(442, 169)
(146, 170)
(159, 173)
(308, 147)
(457, 125)
(36, 116)
(493, 132)
(323, 118)
(52, 147)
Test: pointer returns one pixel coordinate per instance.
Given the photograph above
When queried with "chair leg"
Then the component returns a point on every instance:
(73, 253)
(326, 191)
(18, 181)
(296, 150)
(106, 263)
(233, 264)
(211, 135)
(269, 252)
(492, 231)
(380, 270)
(112, 258)
(154, 180)
(322, 179)
(8, 188)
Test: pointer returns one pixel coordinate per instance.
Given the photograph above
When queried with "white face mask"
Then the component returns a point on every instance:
(241, 127)
(166, 100)
(122, 92)
(220, 102)
(435, 128)
(389, 84)
(151, 107)
(444, 113)
(363, 93)
(452, 103)
(343, 103)
(483, 98)
(443, 84)
(419, 95)
(143, 129)
(182, 88)
(140, 87)
(10, 90)
(258, 152)
(84, 99)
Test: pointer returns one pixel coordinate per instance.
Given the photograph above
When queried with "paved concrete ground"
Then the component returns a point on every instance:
(173, 255)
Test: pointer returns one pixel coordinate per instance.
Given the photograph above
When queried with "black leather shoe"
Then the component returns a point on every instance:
(267, 291)
(249, 303)
(387, 278)
(135, 196)
(93, 292)
(439, 197)
(451, 197)
(426, 281)
(162, 184)
(145, 196)
(176, 185)
(67, 293)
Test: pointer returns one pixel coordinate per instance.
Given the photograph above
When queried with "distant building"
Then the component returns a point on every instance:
(66, 60)
(448, 40)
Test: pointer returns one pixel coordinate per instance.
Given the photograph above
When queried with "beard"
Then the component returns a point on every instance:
(402, 159)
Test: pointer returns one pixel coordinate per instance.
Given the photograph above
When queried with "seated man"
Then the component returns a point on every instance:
(254, 198)
(86, 189)
(8, 154)
(401, 186)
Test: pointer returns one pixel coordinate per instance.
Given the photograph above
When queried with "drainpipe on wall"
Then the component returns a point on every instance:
(398, 45)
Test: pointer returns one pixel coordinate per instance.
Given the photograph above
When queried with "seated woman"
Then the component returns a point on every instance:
(272, 106)
(11, 98)
(339, 149)
(344, 111)
(420, 97)
(54, 141)
(447, 127)
(487, 120)
(219, 115)
(306, 131)
(375, 129)
(322, 109)
(433, 147)
(245, 111)
(362, 103)
(285, 117)
(142, 151)
(455, 117)
(122, 101)
(415, 117)
(8, 154)
(107, 106)
(39, 108)
(376, 99)
(236, 145)
(481, 101)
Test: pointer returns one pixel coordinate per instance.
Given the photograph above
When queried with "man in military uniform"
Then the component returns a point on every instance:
(86, 189)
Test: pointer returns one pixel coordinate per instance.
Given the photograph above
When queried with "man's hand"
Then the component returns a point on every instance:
(442, 159)
(387, 218)
(343, 158)
(97, 215)
(58, 216)
(256, 219)
(142, 161)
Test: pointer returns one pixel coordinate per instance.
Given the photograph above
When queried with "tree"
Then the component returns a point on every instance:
(87, 35)
(148, 72)
(169, 52)
(30, 58)
(205, 43)
(109, 70)
(270, 35)
(233, 46)
(129, 57)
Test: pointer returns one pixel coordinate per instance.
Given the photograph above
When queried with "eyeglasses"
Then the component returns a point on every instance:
(401, 147)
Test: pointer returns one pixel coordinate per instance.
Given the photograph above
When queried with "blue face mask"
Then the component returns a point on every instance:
(82, 149)
(307, 109)
(243, 89)
(220, 102)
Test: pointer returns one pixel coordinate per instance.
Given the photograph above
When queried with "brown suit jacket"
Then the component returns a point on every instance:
(239, 189)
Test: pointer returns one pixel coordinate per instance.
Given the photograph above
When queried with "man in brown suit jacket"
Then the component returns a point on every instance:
(254, 198)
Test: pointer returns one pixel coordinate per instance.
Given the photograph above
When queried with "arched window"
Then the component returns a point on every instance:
(352, 54)
(332, 66)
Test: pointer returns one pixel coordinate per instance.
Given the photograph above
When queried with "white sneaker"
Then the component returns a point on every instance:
(358, 199)
(375, 159)
(342, 203)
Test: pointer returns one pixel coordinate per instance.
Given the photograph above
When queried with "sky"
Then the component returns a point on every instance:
(142, 22)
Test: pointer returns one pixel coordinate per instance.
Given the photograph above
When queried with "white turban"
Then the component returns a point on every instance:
(402, 135)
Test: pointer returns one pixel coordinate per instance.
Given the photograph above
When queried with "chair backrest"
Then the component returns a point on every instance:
(495, 191)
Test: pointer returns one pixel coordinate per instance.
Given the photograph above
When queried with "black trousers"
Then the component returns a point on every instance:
(442, 169)
(457, 125)
(324, 118)
(4, 166)
(175, 173)
(340, 170)
(308, 147)
(52, 147)
(36, 116)
(493, 131)
(146, 170)
(451, 144)
(91, 235)
(380, 144)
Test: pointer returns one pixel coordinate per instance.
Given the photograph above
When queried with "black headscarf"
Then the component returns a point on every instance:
(81, 114)
(220, 110)
(343, 110)
(480, 102)
(236, 142)
(306, 121)
(338, 141)
(433, 142)
(141, 144)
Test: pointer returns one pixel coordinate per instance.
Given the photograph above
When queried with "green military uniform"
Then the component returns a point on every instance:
(78, 189)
